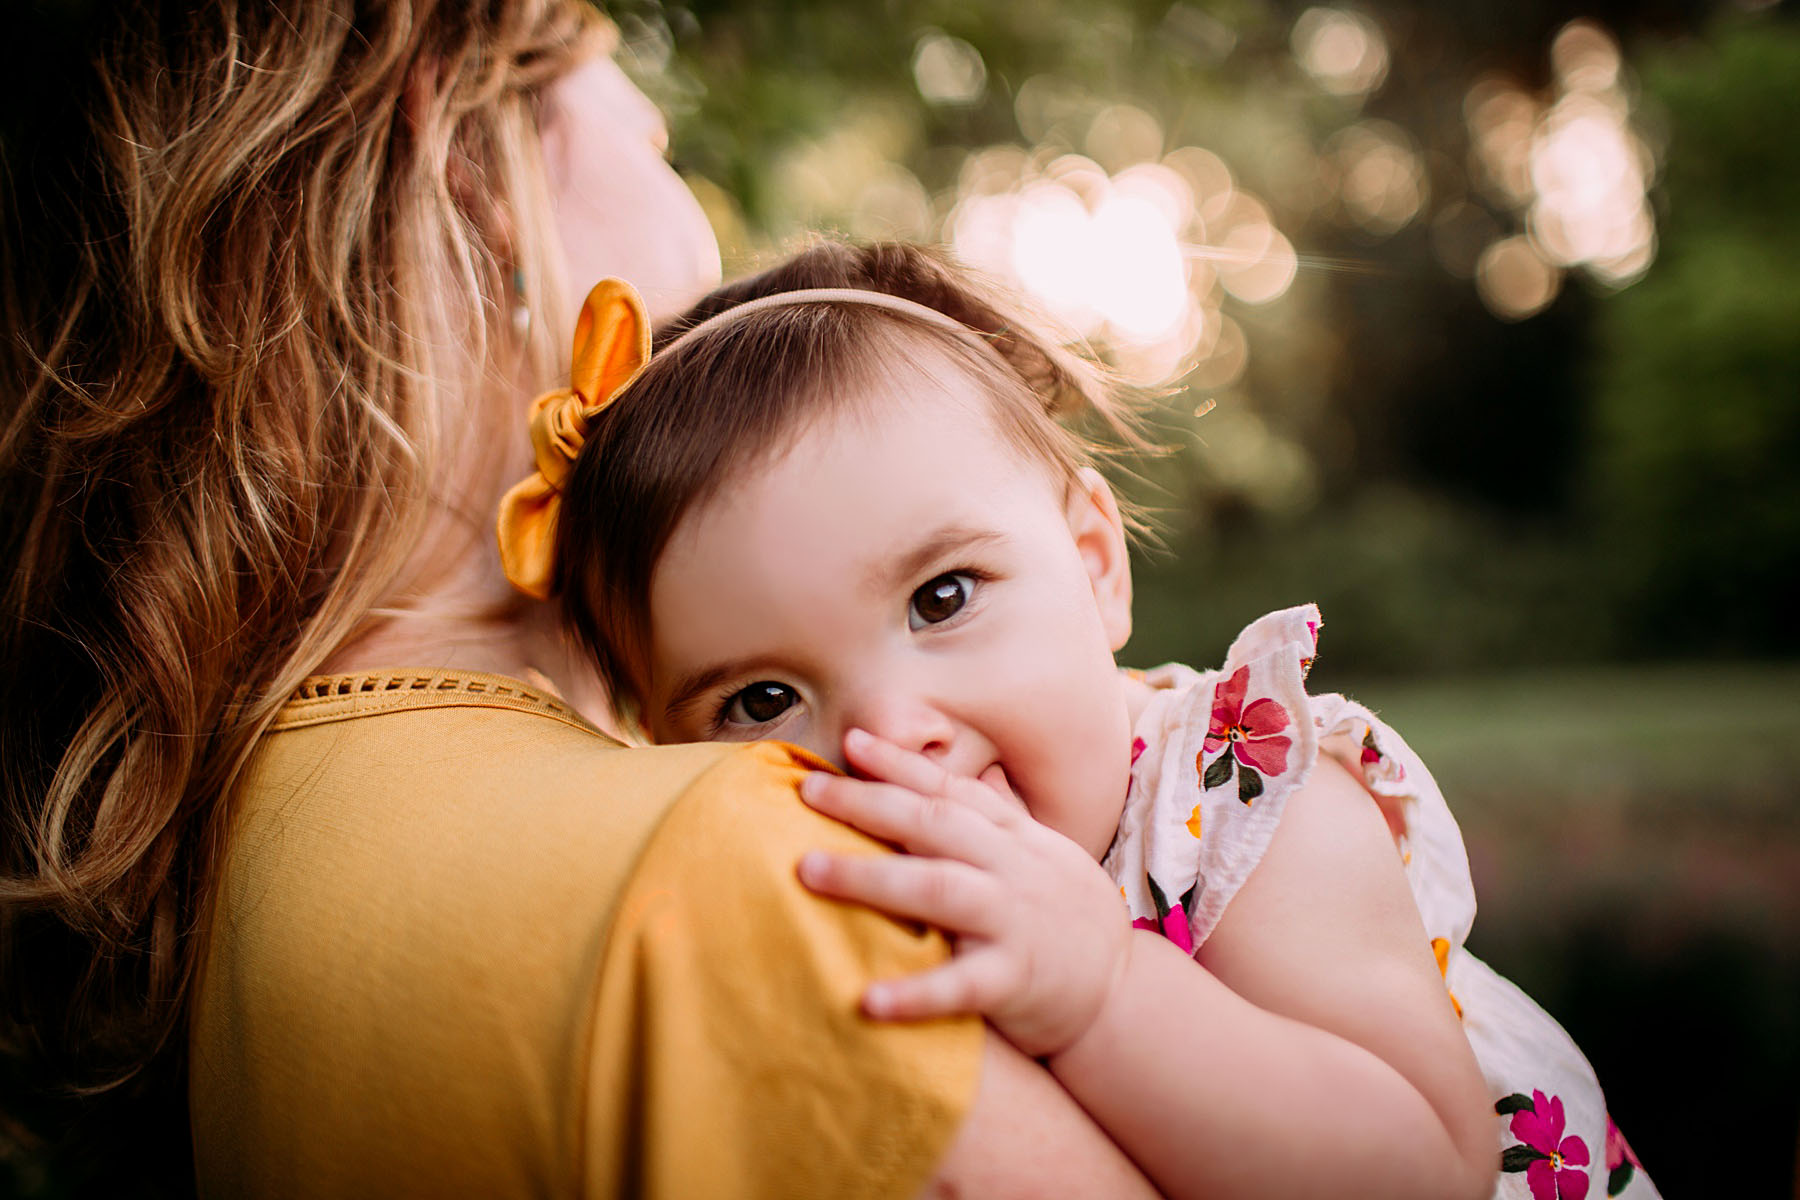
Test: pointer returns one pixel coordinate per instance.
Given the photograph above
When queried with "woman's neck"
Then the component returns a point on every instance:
(462, 615)
(452, 608)
(523, 646)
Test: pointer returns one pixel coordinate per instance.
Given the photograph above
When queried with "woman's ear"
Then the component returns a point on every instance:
(1099, 534)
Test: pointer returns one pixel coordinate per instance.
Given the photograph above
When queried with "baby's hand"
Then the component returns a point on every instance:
(1041, 935)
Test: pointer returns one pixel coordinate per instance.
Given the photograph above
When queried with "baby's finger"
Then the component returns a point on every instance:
(995, 779)
(952, 896)
(968, 983)
(922, 824)
(881, 759)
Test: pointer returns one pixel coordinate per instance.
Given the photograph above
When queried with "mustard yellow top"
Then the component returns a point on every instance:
(464, 944)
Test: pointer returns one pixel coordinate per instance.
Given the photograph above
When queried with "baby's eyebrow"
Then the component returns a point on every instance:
(886, 576)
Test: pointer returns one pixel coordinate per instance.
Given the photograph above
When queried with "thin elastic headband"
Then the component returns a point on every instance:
(893, 303)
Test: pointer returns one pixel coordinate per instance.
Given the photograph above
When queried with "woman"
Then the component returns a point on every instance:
(292, 808)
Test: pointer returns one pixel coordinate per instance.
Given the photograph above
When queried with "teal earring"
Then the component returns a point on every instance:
(521, 312)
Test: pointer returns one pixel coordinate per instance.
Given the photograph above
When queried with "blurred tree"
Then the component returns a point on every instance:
(1697, 375)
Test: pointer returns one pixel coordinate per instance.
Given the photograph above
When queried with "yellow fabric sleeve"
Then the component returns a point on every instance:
(730, 1058)
(468, 946)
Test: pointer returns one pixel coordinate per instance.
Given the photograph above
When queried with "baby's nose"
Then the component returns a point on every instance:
(910, 722)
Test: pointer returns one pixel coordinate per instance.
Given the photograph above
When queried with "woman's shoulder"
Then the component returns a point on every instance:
(438, 771)
(468, 917)
(424, 762)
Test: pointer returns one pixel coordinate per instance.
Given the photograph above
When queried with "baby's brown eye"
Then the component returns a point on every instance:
(760, 703)
(939, 600)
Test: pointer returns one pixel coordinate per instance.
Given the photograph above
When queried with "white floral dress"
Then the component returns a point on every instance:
(1215, 755)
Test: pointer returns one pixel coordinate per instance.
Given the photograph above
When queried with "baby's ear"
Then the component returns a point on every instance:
(1099, 534)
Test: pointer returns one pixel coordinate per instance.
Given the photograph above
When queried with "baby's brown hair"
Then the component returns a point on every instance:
(710, 406)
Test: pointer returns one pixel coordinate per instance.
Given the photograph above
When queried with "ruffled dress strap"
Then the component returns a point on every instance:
(1426, 834)
(1216, 754)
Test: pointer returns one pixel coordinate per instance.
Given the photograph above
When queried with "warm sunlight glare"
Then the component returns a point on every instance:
(1574, 168)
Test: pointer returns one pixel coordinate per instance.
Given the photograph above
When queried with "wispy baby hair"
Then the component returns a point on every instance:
(713, 405)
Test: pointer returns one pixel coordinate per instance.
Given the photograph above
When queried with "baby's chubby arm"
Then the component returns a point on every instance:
(1332, 1072)
(1321, 1003)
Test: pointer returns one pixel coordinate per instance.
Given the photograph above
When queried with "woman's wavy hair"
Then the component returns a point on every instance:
(253, 254)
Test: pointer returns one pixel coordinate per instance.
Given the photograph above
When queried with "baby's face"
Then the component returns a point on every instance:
(903, 569)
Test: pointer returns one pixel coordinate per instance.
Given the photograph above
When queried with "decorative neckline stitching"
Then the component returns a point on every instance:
(437, 684)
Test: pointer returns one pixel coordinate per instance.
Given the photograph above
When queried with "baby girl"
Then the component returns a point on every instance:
(841, 505)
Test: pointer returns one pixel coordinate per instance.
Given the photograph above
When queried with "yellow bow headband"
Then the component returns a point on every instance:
(612, 344)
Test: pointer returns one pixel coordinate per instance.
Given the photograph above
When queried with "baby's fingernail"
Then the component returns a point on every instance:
(811, 867)
(811, 785)
(856, 739)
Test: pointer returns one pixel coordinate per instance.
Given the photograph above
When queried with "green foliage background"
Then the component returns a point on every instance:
(1697, 389)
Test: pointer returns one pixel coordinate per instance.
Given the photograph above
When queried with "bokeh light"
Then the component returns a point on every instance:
(947, 70)
(1514, 281)
(1143, 245)
(1122, 134)
(1138, 259)
(1379, 177)
(1343, 50)
(1501, 119)
(1586, 58)
(1044, 104)
(1573, 168)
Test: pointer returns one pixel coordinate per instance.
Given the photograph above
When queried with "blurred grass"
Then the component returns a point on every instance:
(1634, 834)
(1646, 737)
(1675, 788)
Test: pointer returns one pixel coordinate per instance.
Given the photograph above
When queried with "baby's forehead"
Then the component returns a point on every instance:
(865, 480)
(911, 372)
(914, 418)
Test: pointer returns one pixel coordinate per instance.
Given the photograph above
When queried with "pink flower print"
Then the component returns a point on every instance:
(1173, 926)
(1170, 921)
(1253, 733)
(1552, 1163)
(1371, 753)
(1374, 756)
(1621, 1163)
